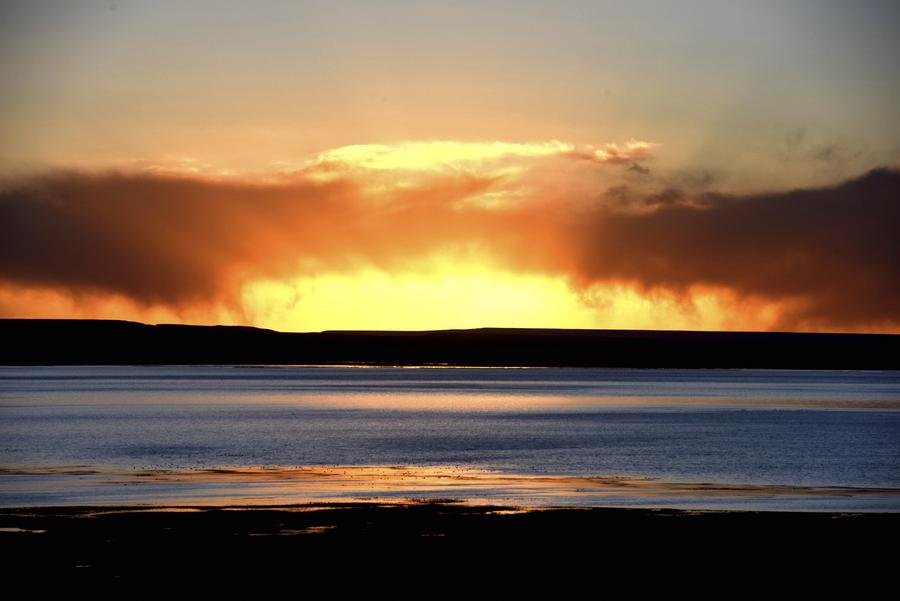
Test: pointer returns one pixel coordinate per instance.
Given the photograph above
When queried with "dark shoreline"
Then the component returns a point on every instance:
(105, 342)
(123, 542)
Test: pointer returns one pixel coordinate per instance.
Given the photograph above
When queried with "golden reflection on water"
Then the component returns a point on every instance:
(287, 485)
(473, 401)
(528, 402)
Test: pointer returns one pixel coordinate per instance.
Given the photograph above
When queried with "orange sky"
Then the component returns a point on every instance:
(429, 235)
(408, 165)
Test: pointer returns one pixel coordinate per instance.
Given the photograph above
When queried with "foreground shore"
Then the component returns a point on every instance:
(131, 542)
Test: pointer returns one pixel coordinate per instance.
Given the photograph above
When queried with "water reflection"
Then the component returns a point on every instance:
(291, 485)
(532, 436)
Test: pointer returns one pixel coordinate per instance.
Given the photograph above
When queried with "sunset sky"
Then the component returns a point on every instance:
(424, 165)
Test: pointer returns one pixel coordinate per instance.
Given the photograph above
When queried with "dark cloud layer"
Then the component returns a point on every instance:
(831, 254)
(159, 240)
(835, 251)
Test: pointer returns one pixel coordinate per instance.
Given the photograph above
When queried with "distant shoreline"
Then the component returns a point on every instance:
(106, 342)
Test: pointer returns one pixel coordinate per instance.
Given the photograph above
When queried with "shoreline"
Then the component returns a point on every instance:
(279, 486)
(125, 542)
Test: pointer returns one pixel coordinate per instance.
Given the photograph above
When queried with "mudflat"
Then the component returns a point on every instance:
(134, 542)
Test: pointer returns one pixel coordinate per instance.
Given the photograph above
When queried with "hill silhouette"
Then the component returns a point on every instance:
(106, 342)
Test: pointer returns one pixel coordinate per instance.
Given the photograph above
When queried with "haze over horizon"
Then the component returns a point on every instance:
(305, 166)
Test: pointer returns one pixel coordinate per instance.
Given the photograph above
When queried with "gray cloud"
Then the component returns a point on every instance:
(832, 254)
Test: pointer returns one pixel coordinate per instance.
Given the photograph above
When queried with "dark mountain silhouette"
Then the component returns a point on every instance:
(102, 342)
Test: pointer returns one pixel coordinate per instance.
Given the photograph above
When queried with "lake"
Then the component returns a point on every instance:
(804, 440)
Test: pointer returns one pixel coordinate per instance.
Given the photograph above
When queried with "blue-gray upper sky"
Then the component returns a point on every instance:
(759, 93)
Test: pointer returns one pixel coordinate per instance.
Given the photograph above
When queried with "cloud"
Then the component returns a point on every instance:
(833, 252)
(156, 239)
(830, 255)
(449, 155)
(832, 154)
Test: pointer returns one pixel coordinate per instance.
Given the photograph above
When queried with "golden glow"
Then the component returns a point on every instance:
(371, 246)
(444, 299)
(383, 163)
(277, 485)
(629, 150)
(444, 295)
(451, 155)
(47, 303)
(452, 295)
(448, 297)
(418, 156)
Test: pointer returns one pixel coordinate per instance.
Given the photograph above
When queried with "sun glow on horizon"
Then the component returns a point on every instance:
(474, 296)
(446, 299)
(449, 298)
(420, 235)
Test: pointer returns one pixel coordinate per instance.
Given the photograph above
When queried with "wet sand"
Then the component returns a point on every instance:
(276, 525)
(447, 523)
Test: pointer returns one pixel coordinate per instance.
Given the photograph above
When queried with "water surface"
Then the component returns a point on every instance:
(764, 439)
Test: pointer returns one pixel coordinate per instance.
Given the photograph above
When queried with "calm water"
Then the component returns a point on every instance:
(799, 429)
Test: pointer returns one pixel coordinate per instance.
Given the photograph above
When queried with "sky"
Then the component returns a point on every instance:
(426, 165)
